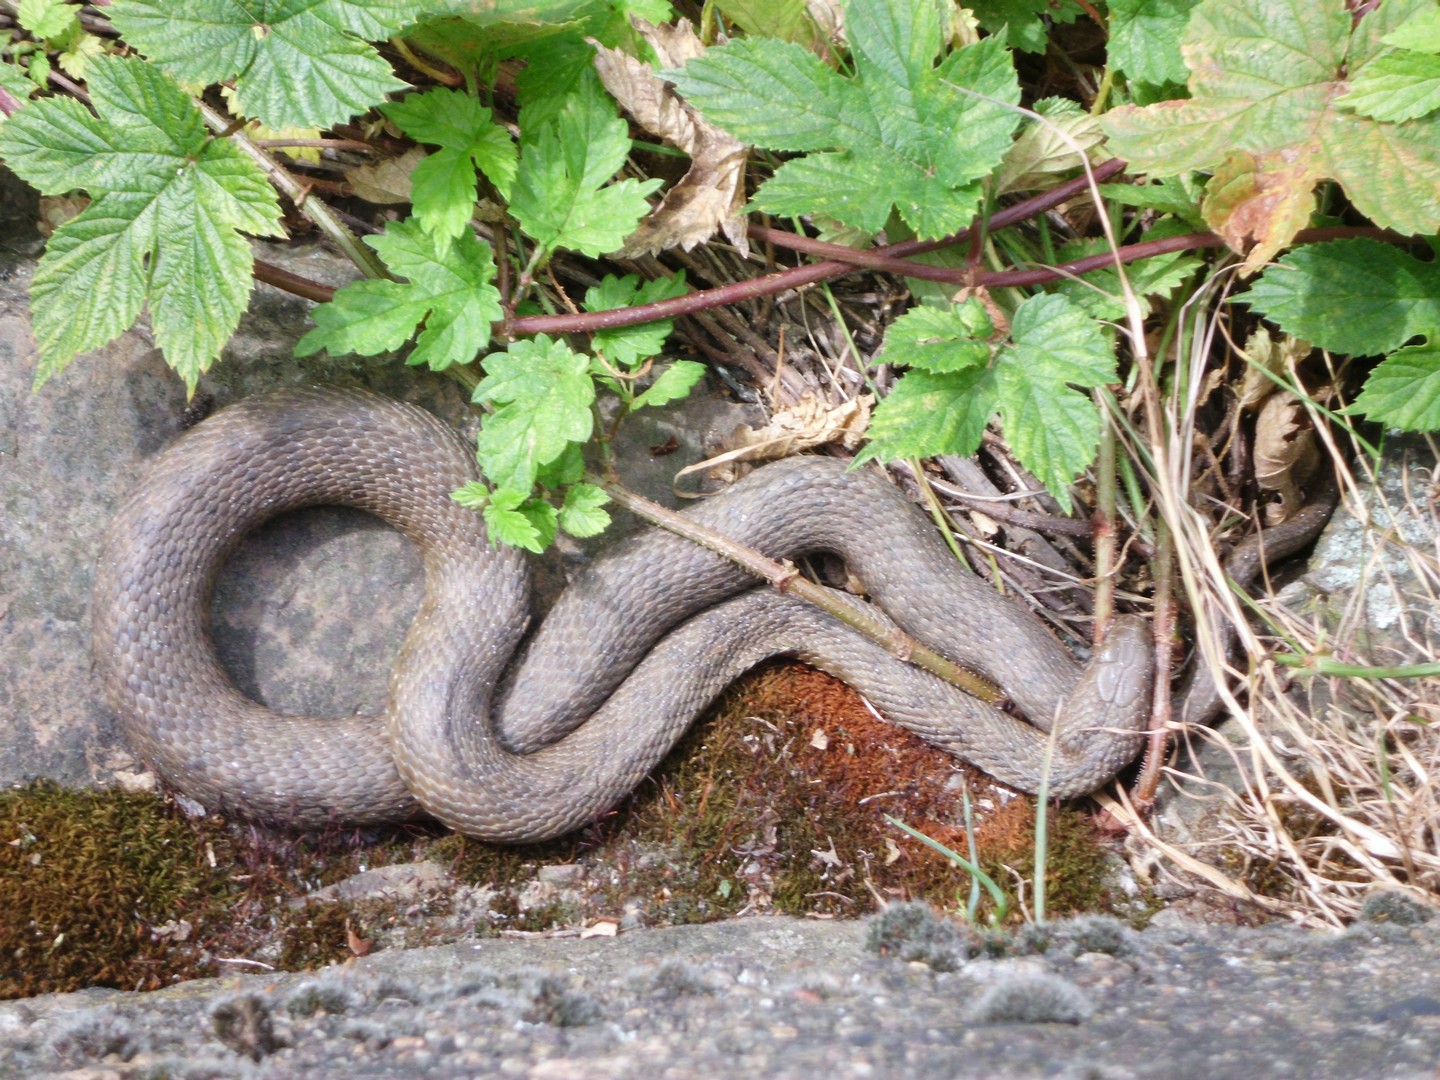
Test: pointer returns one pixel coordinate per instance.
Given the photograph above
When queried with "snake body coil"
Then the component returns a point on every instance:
(631, 653)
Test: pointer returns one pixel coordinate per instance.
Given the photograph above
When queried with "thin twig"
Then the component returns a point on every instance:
(786, 578)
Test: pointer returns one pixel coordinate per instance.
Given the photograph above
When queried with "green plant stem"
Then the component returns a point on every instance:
(1042, 827)
(786, 578)
(315, 209)
(1323, 665)
(997, 894)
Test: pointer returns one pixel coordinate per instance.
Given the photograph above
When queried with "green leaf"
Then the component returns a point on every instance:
(443, 185)
(1169, 195)
(904, 133)
(672, 384)
(565, 470)
(1099, 294)
(1052, 428)
(788, 20)
(630, 346)
(511, 517)
(1045, 150)
(1404, 390)
(1421, 31)
(296, 63)
(582, 514)
(558, 198)
(1396, 86)
(545, 393)
(473, 495)
(1020, 23)
(1145, 38)
(771, 93)
(14, 81)
(941, 339)
(1358, 297)
(1264, 80)
(168, 206)
(932, 414)
(449, 292)
(46, 18)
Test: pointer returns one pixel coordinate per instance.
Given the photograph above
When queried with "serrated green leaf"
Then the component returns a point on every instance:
(1052, 339)
(46, 18)
(296, 63)
(473, 495)
(582, 514)
(1099, 294)
(14, 81)
(80, 48)
(365, 318)
(1396, 86)
(1404, 390)
(1420, 31)
(558, 198)
(771, 93)
(1145, 38)
(546, 395)
(672, 384)
(443, 185)
(1168, 195)
(557, 69)
(39, 70)
(450, 292)
(1053, 428)
(629, 346)
(511, 517)
(903, 133)
(787, 20)
(929, 414)
(565, 470)
(1264, 80)
(1053, 432)
(1358, 297)
(1019, 23)
(940, 339)
(168, 205)
(1045, 149)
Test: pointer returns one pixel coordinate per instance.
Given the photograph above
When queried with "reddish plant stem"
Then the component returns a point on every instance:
(792, 278)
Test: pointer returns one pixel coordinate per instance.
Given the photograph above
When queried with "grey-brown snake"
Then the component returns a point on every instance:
(629, 656)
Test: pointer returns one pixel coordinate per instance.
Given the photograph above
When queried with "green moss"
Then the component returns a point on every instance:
(1077, 866)
(88, 879)
(317, 934)
(746, 813)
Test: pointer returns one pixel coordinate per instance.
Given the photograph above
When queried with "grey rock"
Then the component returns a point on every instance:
(310, 610)
(776, 998)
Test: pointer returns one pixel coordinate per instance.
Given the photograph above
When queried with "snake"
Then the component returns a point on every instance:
(511, 734)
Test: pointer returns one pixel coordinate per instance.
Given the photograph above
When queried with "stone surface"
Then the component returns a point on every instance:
(781, 998)
(310, 610)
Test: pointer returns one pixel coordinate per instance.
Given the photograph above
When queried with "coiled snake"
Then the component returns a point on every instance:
(631, 653)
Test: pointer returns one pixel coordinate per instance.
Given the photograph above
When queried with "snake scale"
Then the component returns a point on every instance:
(510, 740)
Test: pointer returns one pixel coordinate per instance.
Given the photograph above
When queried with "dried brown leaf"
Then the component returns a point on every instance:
(809, 423)
(1285, 453)
(386, 182)
(1267, 357)
(711, 194)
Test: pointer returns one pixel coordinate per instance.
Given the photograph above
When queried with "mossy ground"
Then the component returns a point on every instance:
(775, 803)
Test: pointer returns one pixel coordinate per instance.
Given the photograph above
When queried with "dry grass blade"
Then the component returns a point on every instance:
(1330, 793)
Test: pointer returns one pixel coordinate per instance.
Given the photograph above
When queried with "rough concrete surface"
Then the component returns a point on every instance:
(772, 997)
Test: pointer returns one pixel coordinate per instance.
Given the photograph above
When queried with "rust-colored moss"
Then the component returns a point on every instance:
(95, 887)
